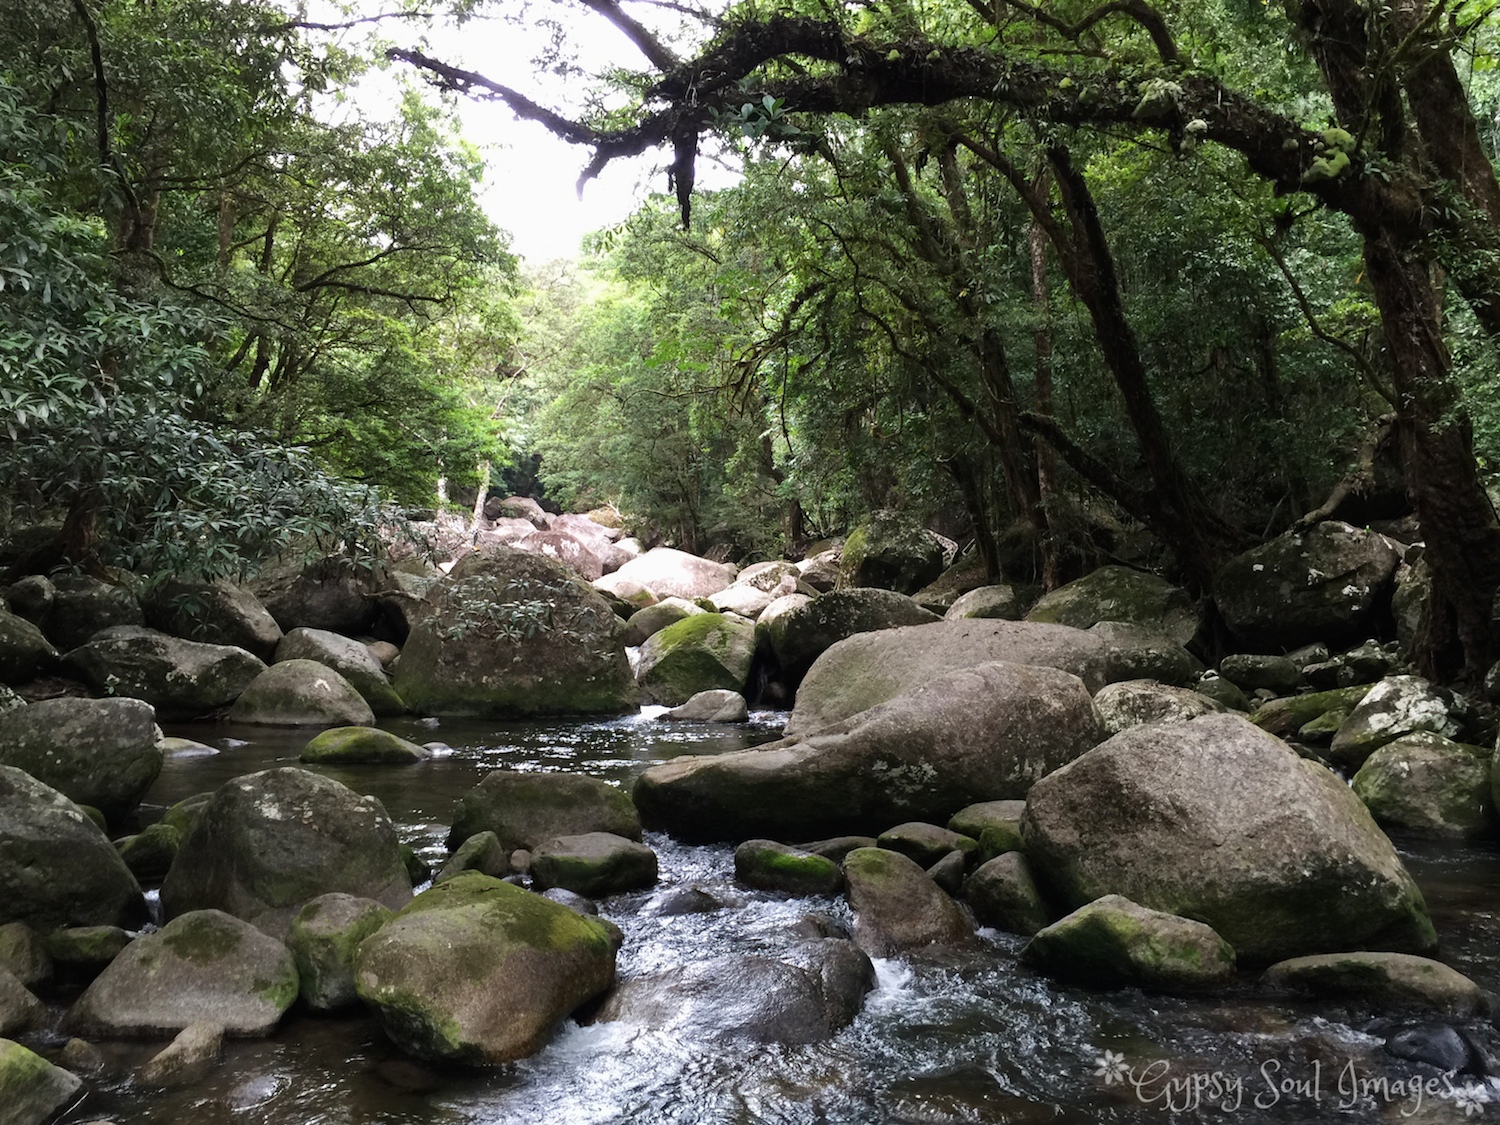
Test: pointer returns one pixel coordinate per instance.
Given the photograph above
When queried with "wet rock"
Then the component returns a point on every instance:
(573, 901)
(838, 847)
(1426, 785)
(99, 752)
(898, 908)
(1000, 601)
(594, 864)
(188, 1058)
(948, 872)
(150, 852)
(1003, 893)
(1250, 671)
(514, 634)
(481, 852)
(670, 573)
(19, 1009)
(1437, 1045)
(769, 866)
(202, 967)
(527, 809)
(81, 606)
(1292, 864)
(925, 843)
(986, 732)
(717, 706)
(181, 679)
(82, 1057)
(23, 953)
(361, 746)
(270, 841)
(1133, 702)
(349, 659)
(324, 939)
(218, 613)
(301, 693)
(1393, 707)
(704, 652)
(25, 653)
(1115, 942)
(56, 867)
(679, 900)
(1117, 593)
(798, 634)
(750, 997)
(1382, 981)
(893, 552)
(1001, 819)
(35, 1090)
(477, 971)
(1318, 585)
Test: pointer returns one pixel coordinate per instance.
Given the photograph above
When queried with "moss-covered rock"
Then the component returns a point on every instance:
(769, 866)
(1216, 820)
(150, 852)
(86, 950)
(362, 746)
(181, 679)
(301, 693)
(268, 842)
(204, 966)
(481, 852)
(645, 623)
(528, 809)
(1003, 893)
(184, 814)
(925, 843)
(593, 864)
(703, 652)
(100, 752)
(893, 552)
(1117, 593)
(1426, 785)
(23, 953)
(1383, 982)
(478, 971)
(1113, 941)
(1144, 652)
(1395, 706)
(1000, 818)
(898, 908)
(324, 939)
(514, 634)
(350, 659)
(32, 1090)
(1253, 671)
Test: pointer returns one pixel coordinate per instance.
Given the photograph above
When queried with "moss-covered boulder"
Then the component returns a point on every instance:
(202, 967)
(1384, 982)
(19, 1009)
(1003, 817)
(301, 693)
(653, 619)
(669, 573)
(926, 843)
(1003, 893)
(703, 652)
(1285, 717)
(1216, 820)
(268, 842)
(1322, 584)
(898, 908)
(32, 1090)
(797, 636)
(184, 814)
(57, 867)
(99, 752)
(1115, 942)
(361, 746)
(86, 950)
(1252, 671)
(478, 971)
(1395, 706)
(217, 613)
(25, 653)
(1000, 601)
(1426, 785)
(481, 852)
(982, 733)
(1133, 702)
(515, 634)
(23, 953)
(324, 939)
(1117, 593)
(528, 809)
(181, 679)
(350, 659)
(893, 552)
(81, 606)
(593, 864)
(769, 866)
(149, 853)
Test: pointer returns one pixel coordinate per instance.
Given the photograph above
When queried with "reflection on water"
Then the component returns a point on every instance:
(962, 1038)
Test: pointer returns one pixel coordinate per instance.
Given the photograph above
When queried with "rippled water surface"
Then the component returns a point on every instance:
(971, 1037)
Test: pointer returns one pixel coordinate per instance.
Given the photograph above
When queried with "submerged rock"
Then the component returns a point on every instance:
(478, 971)
(188, 1058)
(898, 908)
(361, 745)
(718, 706)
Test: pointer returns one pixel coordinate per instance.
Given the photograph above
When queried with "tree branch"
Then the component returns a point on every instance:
(649, 45)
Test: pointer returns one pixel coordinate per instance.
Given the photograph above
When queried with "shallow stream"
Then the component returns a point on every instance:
(970, 1037)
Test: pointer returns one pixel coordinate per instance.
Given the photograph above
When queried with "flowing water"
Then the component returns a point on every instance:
(971, 1037)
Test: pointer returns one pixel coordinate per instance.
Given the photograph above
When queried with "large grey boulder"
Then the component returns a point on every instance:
(99, 752)
(704, 652)
(801, 634)
(181, 679)
(670, 573)
(81, 606)
(892, 551)
(350, 659)
(1117, 593)
(861, 671)
(574, 553)
(898, 908)
(804, 996)
(977, 734)
(34, 1090)
(25, 653)
(268, 842)
(56, 867)
(331, 593)
(1144, 652)
(204, 967)
(514, 634)
(478, 971)
(525, 810)
(1316, 585)
(217, 613)
(301, 693)
(1427, 785)
(1215, 820)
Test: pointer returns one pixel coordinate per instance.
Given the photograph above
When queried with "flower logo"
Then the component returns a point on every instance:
(1111, 1067)
(1471, 1099)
